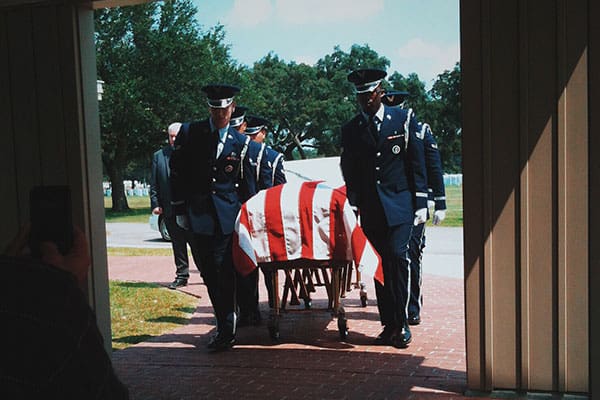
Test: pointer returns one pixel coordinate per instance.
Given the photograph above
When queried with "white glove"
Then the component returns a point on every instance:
(438, 216)
(183, 221)
(420, 216)
(430, 203)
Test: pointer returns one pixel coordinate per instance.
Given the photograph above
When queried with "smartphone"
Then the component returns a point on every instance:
(51, 219)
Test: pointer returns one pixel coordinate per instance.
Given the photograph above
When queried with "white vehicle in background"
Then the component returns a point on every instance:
(158, 223)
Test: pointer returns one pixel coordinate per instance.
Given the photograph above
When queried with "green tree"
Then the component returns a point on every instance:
(445, 119)
(418, 98)
(306, 104)
(153, 59)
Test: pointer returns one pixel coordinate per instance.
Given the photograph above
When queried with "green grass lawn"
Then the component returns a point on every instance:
(139, 210)
(454, 212)
(140, 311)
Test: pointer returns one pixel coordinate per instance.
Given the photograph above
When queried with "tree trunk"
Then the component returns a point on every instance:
(299, 147)
(119, 200)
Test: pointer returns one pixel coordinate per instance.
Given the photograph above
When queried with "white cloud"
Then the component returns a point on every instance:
(305, 59)
(250, 13)
(432, 58)
(323, 11)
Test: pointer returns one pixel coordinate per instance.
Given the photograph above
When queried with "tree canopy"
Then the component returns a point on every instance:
(154, 58)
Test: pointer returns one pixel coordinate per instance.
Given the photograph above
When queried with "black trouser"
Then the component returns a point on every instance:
(212, 255)
(247, 293)
(417, 244)
(392, 297)
(179, 240)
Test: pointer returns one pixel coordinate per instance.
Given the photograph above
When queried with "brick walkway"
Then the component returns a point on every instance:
(310, 362)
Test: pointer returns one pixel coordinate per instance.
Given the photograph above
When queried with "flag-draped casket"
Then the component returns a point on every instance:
(310, 220)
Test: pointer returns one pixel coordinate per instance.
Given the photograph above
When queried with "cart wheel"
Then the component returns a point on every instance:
(363, 294)
(342, 323)
(343, 329)
(363, 299)
(308, 304)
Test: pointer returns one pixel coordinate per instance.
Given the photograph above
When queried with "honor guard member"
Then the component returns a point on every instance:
(209, 173)
(383, 166)
(238, 118)
(247, 286)
(256, 129)
(437, 195)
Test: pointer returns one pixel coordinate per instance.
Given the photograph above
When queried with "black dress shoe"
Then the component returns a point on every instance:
(403, 338)
(221, 342)
(386, 336)
(178, 283)
(414, 319)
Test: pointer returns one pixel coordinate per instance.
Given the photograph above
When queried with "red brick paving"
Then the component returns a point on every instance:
(310, 362)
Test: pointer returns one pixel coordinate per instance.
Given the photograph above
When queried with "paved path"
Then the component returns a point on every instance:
(310, 362)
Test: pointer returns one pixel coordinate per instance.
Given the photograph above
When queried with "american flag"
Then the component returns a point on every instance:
(308, 220)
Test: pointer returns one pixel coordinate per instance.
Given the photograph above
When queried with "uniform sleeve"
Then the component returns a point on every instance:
(154, 183)
(179, 179)
(279, 177)
(416, 158)
(435, 175)
(348, 166)
(264, 169)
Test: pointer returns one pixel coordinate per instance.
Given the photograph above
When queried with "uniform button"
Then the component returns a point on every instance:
(378, 182)
(376, 168)
(214, 168)
(237, 185)
(214, 192)
(214, 179)
(378, 154)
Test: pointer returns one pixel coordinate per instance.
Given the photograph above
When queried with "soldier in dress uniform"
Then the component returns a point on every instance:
(383, 165)
(210, 176)
(437, 195)
(238, 118)
(247, 286)
(256, 129)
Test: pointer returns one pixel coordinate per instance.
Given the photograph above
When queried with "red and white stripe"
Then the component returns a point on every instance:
(310, 220)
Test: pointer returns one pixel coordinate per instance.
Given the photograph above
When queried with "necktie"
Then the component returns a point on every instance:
(220, 142)
(373, 122)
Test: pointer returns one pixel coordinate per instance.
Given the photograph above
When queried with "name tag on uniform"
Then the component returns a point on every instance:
(395, 136)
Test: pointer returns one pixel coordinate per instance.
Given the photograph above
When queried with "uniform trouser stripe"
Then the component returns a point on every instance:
(417, 244)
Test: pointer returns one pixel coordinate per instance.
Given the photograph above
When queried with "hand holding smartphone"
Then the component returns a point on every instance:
(51, 218)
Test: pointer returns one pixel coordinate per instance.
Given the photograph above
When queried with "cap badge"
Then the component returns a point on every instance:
(396, 149)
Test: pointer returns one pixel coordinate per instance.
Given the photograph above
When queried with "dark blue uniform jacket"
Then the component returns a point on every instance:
(385, 178)
(207, 189)
(275, 163)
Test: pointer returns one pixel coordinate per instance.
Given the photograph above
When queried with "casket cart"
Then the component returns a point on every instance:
(309, 231)
(299, 283)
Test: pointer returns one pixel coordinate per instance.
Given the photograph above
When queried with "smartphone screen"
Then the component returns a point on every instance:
(51, 219)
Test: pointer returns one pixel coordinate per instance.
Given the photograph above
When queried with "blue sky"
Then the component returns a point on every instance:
(416, 36)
